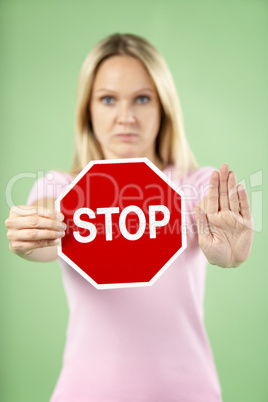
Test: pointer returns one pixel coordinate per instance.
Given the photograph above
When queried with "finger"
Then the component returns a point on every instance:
(213, 193)
(202, 222)
(27, 210)
(23, 210)
(34, 235)
(232, 193)
(26, 247)
(224, 202)
(244, 202)
(35, 221)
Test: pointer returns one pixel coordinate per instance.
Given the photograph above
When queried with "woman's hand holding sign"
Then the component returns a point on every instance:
(33, 228)
(224, 221)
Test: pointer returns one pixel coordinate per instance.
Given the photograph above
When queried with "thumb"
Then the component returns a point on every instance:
(201, 222)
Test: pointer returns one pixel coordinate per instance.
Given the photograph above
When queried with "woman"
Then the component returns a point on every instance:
(138, 344)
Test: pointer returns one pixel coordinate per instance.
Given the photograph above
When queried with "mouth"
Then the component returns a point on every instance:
(127, 137)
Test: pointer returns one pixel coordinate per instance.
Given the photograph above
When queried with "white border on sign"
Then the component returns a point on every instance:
(168, 263)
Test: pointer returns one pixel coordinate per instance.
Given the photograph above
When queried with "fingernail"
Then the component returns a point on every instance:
(61, 234)
(63, 226)
(214, 174)
(60, 216)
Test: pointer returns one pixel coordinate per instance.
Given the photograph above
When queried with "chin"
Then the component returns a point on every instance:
(125, 154)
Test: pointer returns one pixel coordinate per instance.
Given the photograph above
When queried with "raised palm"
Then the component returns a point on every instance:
(224, 221)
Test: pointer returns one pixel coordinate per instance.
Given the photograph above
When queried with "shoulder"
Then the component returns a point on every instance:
(56, 176)
(200, 175)
(51, 185)
(194, 184)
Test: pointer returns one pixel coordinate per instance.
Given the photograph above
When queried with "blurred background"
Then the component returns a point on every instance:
(217, 52)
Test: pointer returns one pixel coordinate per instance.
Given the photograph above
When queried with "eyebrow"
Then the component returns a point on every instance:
(139, 90)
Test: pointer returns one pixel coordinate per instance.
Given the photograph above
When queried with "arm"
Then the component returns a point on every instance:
(224, 221)
(34, 231)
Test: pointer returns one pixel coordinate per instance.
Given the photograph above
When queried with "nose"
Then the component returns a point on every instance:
(125, 114)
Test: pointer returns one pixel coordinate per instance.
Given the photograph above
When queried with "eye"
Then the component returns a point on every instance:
(107, 100)
(143, 99)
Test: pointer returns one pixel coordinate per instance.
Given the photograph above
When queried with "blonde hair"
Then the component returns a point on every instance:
(171, 144)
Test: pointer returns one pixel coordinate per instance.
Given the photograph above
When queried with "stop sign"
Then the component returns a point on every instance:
(124, 223)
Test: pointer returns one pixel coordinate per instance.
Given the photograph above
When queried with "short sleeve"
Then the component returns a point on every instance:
(195, 187)
(50, 186)
(201, 180)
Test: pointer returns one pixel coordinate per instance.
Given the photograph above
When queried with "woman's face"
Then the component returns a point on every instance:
(125, 109)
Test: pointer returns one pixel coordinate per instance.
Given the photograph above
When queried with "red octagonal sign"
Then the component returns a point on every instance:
(124, 223)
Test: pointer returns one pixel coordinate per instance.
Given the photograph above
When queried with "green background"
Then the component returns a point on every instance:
(217, 52)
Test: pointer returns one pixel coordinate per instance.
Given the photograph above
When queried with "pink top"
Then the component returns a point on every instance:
(146, 344)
